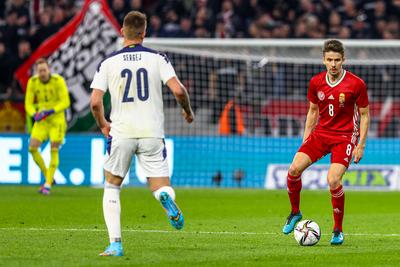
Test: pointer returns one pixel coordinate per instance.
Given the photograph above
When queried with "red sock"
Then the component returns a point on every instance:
(338, 207)
(294, 188)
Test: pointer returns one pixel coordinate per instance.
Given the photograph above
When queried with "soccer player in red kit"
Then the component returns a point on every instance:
(338, 118)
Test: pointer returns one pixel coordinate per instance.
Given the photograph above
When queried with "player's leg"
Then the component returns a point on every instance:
(163, 192)
(152, 157)
(54, 162)
(34, 145)
(57, 134)
(56, 131)
(300, 162)
(340, 160)
(117, 163)
(38, 136)
(310, 151)
(335, 174)
(112, 214)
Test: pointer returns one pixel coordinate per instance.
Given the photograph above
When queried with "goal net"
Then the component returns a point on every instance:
(249, 97)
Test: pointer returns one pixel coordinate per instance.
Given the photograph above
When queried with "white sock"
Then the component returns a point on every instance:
(166, 189)
(112, 211)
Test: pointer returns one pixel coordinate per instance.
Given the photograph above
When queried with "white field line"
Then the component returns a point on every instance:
(178, 232)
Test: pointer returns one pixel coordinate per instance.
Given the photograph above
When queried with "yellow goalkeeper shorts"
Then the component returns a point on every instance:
(53, 128)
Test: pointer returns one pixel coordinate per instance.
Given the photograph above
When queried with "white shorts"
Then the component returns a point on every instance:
(151, 155)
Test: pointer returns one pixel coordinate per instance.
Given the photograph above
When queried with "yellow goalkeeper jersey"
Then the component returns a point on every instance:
(44, 96)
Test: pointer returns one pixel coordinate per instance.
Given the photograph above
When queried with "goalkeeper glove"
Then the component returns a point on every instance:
(43, 114)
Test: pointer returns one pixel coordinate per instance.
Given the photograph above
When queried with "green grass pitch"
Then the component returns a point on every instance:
(223, 228)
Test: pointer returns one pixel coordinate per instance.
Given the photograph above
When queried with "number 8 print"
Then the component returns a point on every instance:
(330, 108)
(348, 150)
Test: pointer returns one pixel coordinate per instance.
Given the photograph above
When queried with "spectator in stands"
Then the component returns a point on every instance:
(348, 12)
(43, 31)
(171, 25)
(203, 19)
(360, 29)
(119, 10)
(24, 51)
(136, 5)
(185, 28)
(5, 73)
(345, 33)
(60, 16)
(19, 6)
(9, 31)
(154, 28)
(231, 22)
(334, 25)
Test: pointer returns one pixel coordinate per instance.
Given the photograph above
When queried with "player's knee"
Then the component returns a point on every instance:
(295, 170)
(333, 182)
(32, 149)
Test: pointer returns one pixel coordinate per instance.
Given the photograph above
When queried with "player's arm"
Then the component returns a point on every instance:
(96, 105)
(64, 101)
(182, 96)
(311, 121)
(364, 124)
(30, 107)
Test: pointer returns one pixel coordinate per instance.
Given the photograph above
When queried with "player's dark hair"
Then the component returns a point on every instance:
(134, 25)
(41, 61)
(333, 46)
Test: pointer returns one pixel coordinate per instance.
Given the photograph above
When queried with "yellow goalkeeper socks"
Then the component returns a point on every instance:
(38, 159)
(53, 166)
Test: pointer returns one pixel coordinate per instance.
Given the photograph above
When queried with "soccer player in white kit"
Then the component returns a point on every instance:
(133, 76)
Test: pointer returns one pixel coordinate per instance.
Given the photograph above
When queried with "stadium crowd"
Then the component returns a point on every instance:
(24, 25)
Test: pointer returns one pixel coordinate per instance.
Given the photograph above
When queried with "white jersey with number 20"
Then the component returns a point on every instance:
(133, 76)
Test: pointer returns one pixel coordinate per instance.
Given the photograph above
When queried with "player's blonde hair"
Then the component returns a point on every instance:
(333, 46)
(134, 25)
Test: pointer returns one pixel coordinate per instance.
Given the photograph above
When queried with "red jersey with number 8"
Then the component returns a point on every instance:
(338, 102)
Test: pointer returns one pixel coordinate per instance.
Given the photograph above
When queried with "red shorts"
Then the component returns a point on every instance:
(319, 144)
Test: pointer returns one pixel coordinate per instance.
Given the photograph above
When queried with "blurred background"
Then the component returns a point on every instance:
(246, 65)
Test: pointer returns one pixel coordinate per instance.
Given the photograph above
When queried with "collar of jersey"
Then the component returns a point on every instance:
(133, 45)
(338, 81)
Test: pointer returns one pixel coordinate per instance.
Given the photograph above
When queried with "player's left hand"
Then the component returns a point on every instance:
(106, 129)
(358, 154)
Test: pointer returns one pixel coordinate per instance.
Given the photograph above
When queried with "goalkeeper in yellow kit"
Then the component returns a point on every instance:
(45, 100)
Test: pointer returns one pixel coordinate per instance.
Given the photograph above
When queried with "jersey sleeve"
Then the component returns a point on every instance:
(64, 101)
(100, 78)
(30, 107)
(166, 69)
(362, 99)
(312, 94)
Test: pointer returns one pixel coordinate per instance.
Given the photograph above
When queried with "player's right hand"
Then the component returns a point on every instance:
(188, 117)
(39, 116)
(43, 114)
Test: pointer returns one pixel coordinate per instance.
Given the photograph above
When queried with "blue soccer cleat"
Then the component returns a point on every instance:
(337, 237)
(114, 249)
(292, 219)
(175, 215)
(44, 190)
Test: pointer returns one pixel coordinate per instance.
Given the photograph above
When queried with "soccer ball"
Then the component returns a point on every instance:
(307, 233)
